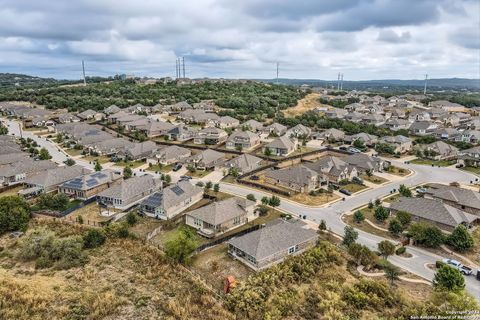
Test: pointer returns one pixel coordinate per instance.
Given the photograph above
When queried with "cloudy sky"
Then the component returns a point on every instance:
(364, 39)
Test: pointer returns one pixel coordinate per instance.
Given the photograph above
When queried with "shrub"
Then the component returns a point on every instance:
(404, 217)
(350, 235)
(429, 236)
(251, 197)
(404, 191)
(439, 264)
(395, 227)
(182, 246)
(14, 214)
(274, 201)
(381, 213)
(131, 218)
(460, 239)
(93, 238)
(449, 279)
(386, 248)
(358, 216)
(400, 251)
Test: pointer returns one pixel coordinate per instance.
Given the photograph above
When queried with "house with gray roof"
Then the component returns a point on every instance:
(112, 109)
(399, 143)
(331, 135)
(354, 117)
(171, 201)
(219, 217)
(396, 124)
(298, 178)
(440, 150)
(207, 159)
(68, 118)
(273, 243)
(299, 131)
(169, 155)
(9, 158)
(110, 147)
(463, 199)
(470, 157)
(446, 133)
(253, 125)
(89, 185)
(227, 122)
(87, 114)
(421, 128)
(127, 193)
(364, 162)
(275, 129)
(336, 113)
(367, 139)
(374, 119)
(244, 163)
(181, 133)
(151, 128)
(281, 146)
(139, 151)
(17, 172)
(49, 180)
(433, 211)
(242, 140)
(210, 136)
(332, 169)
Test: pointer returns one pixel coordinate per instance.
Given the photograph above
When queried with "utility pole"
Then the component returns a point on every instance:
(84, 79)
(425, 87)
(176, 68)
(278, 65)
(183, 60)
(338, 81)
(341, 83)
(20, 129)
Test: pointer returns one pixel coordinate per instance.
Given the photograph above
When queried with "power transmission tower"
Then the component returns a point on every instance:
(84, 79)
(176, 68)
(183, 60)
(425, 87)
(278, 64)
(338, 81)
(341, 82)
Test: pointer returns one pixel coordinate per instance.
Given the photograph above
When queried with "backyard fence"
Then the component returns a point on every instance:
(224, 239)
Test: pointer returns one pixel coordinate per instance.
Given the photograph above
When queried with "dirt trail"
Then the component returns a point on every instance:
(308, 103)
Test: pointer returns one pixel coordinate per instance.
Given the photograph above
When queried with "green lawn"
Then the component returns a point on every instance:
(374, 179)
(398, 171)
(198, 173)
(131, 164)
(73, 152)
(101, 159)
(353, 187)
(160, 168)
(437, 163)
(475, 170)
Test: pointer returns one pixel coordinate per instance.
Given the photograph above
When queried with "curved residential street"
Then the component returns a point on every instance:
(332, 214)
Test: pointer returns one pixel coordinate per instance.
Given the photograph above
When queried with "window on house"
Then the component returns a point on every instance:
(197, 222)
(236, 220)
(292, 249)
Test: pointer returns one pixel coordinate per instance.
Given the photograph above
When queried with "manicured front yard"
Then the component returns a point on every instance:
(131, 164)
(160, 168)
(317, 200)
(436, 163)
(475, 170)
(73, 152)
(398, 171)
(92, 159)
(353, 187)
(374, 179)
(198, 173)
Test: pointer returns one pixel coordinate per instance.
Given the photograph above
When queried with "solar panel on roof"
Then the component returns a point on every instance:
(177, 190)
(154, 200)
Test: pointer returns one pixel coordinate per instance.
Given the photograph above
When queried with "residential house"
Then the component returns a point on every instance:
(49, 180)
(219, 217)
(171, 201)
(354, 117)
(363, 162)
(331, 135)
(112, 109)
(127, 193)
(210, 136)
(396, 124)
(332, 170)
(433, 211)
(298, 178)
(464, 199)
(374, 119)
(89, 185)
(281, 146)
(446, 133)
(17, 172)
(9, 158)
(470, 157)
(273, 243)
(422, 128)
(275, 129)
(299, 131)
(367, 139)
(227, 122)
(242, 140)
(401, 144)
(253, 125)
(113, 117)
(169, 155)
(440, 150)
(469, 136)
(88, 114)
(68, 118)
(151, 128)
(208, 119)
(207, 159)
(181, 133)
(139, 151)
(419, 115)
(244, 163)
(448, 106)
(336, 113)
(110, 147)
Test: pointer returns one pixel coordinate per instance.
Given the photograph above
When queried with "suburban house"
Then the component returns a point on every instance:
(227, 122)
(68, 118)
(434, 211)
(222, 216)
(354, 117)
(112, 109)
(440, 150)
(396, 124)
(281, 146)
(332, 135)
(336, 113)
(401, 144)
(298, 178)
(275, 129)
(9, 158)
(18, 172)
(140, 150)
(374, 119)
(171, 201)
(299, 131)
(87, 114)
(181, 133)
(199, 116)
(110, 147)
(151, 128)
(367, 139)
(244, 163)
(364, 162)
(242, 140)
(206, 159)
(446, 133)
(210, 136)
(129, 192)
(332, 169)
(273, 243)
(169, 155)
(253, 125)
(49, 180)
(463, 199)
(470, 157)
(87, 186)
(422, 128)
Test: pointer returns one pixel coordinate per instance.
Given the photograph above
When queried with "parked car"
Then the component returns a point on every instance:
(177, 166)
(254, 177)
(185, 178)
(345, 192)
(343, 148)
(457, 265)
(459, 165)
(354, 150)
(421, 190)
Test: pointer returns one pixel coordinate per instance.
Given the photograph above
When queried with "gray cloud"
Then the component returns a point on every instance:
(391, 36)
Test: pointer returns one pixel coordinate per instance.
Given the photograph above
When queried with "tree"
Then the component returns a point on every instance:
(44, 154)
(267, 152)
(358, 216)
(265, 200)
(216, 187)
(251, 197)
(386, 248)
(322, 226)
(369, 173)
(127, 172)
(182, 246)
(449, 279)
(93, 238)
(168, 179)
(131, 218)
(14, 214)
(359, 144)
(404, 217)
(70, 162)
(460, 239)
(429, 236)
(404, 191)
(233, 172)
(191, 168)
(208, 185)
(391, 272)
(350, 236)
(395, 227)
(98, 166)
(362, 255)
(274, 201)
(381, 213)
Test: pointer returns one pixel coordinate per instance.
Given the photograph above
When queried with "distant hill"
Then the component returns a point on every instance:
(391, 84)
(21, 80)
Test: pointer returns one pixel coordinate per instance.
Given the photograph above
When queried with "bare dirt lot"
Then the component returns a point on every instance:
(306, 104)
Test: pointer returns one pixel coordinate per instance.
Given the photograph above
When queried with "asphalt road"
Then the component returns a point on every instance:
(332, 214)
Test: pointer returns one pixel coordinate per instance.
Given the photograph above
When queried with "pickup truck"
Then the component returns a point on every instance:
(457, 265)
